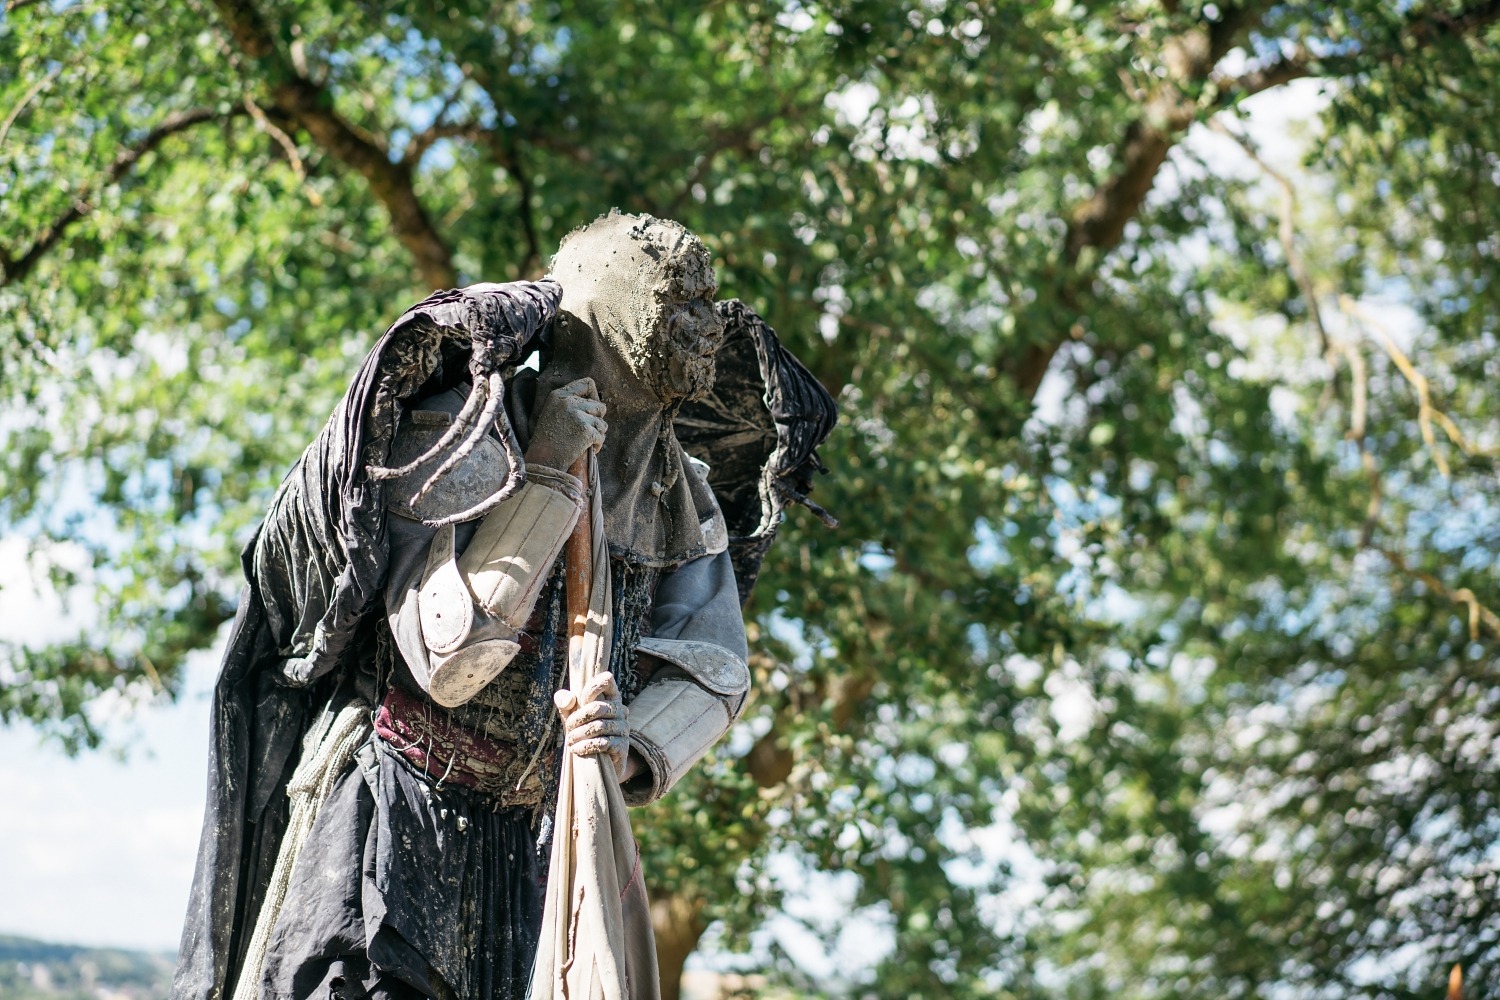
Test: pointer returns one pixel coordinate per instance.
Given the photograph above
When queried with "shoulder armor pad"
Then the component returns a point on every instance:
(479, 476)
(443, 605)
(711, 665)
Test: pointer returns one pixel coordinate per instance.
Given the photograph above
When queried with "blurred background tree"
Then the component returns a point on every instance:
(1156, 654)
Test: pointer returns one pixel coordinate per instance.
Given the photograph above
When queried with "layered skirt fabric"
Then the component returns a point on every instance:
(407, 888)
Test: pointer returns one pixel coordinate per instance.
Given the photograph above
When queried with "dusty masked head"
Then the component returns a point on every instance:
(643, 289)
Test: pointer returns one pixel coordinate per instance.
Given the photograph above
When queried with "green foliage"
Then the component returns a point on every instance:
(1209, 640)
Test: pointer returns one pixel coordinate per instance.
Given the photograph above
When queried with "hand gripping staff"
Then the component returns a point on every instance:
(596, 941)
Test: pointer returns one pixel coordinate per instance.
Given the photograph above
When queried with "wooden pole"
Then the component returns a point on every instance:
(578, 559)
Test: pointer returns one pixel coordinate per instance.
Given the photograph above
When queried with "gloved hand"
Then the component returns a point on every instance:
(600, 725)
(570, 421)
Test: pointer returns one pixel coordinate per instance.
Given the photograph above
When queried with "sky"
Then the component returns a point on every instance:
(99, 849)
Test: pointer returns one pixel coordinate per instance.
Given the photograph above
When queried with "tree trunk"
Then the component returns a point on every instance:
(678, 922)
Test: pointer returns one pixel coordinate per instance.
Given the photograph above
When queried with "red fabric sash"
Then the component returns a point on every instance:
(449, 753)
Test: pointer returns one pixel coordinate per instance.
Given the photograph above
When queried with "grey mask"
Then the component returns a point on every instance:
(637, 317)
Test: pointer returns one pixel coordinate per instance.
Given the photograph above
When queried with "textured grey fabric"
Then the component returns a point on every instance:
(637, 317)
(699, 603)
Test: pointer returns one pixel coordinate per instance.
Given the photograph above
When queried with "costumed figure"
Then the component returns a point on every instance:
(422, 750)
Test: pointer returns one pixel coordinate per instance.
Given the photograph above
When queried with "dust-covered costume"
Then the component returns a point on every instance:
(385, 748)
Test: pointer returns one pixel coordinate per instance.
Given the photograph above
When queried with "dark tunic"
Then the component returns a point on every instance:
(405, 889)
(424, 872)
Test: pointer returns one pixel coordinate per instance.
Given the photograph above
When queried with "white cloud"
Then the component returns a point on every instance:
(99, 850)
(31, 610)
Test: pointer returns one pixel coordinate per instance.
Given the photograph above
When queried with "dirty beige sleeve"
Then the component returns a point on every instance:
(698, 635)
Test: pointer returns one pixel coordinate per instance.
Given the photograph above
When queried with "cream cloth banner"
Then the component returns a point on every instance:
(596, 942)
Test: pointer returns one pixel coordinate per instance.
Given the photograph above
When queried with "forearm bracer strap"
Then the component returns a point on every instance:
(472, 607)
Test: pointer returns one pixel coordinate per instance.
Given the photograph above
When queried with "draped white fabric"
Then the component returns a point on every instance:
(596, 941)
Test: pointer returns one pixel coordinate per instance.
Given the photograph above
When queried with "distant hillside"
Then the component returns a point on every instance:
(35, 970)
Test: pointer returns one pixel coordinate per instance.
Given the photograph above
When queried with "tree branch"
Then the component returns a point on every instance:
(1302, 62)
(310, 105)
(1333, 347)
(504, 152)
(1480, 617)
(425, 139)
(439, 129)
(1098, 225)
(1286, 233)
(1427, 412)
(15, 268)
(31, 93)
(288, 147)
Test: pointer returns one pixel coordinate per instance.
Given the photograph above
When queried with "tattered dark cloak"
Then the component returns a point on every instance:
(313, 597)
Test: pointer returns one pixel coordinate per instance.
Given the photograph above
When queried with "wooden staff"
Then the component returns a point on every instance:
(578, 558)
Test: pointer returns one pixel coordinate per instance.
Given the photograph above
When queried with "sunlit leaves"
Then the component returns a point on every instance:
(1160, 632)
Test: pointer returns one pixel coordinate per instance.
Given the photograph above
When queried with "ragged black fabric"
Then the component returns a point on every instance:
(315, 570)
(759, 431)
(404, 886)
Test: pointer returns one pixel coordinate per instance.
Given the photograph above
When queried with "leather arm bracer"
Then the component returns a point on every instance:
(681, 713)
(472, 607)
